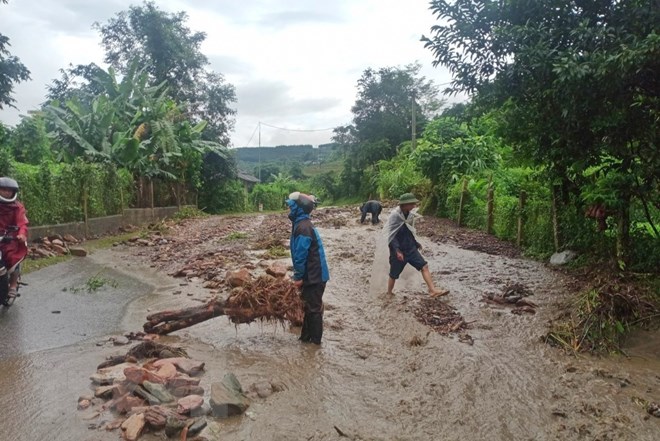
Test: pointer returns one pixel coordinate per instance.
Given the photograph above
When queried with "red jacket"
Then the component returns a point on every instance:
(13, 215)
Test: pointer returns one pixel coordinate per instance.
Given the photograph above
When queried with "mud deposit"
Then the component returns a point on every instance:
(380, 374)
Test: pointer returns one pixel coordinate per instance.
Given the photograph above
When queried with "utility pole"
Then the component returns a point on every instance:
(259, 151)
(414, 122)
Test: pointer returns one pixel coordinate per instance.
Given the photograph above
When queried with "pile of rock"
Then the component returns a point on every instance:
(56, 245)
(158, 394)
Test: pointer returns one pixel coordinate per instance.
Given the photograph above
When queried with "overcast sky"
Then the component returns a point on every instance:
(294, 63)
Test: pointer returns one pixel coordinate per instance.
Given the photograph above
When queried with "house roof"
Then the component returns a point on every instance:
(247, 177)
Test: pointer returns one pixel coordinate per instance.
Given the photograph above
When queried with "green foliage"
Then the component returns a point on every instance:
(271, 196)
(54, 193)
(228, 196)
(188, 213)
(12, 72)
(382, 120)
(325, 186)
(170, 51)
(577, 86)
(94, 283)
(237, 235)
(400, 175)
(29, 140)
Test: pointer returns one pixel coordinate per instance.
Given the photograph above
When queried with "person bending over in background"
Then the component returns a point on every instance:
(373, 207)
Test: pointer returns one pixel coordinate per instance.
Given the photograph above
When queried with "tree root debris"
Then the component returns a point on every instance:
(440, 316)
(513, 295)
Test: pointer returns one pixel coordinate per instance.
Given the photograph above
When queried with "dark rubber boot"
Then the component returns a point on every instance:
(304, 333)
(316, 328)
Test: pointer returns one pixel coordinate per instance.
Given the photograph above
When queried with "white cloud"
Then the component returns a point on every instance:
(294, 63)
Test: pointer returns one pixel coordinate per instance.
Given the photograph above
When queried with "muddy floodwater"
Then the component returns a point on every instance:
(379, 375)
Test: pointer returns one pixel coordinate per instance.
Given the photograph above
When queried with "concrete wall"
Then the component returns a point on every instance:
(107, 224)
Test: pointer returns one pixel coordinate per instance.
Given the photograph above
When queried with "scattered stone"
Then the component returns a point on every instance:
(59, 249)
(133, 427)
(84, 404)
(227, 397)
(276, 270)
(167, 371)
(197, 427)
(182, 380)
(111, 374)
(70, 238)
(138, 375)
(106, 392)
(158, 391)
(185, 365)
(238, 278)
(88, 397)
(653, 409)
(562, 258)
(142, 392)
(57, 242)
(120, 341)
(156, 416)
(183, 391)
(173, 426)
(263, 389)
(91, 415)
(116, 424)
(78, 251)
(126, 403)
(189, 404)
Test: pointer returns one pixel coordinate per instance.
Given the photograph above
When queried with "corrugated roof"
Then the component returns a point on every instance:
(247, 177)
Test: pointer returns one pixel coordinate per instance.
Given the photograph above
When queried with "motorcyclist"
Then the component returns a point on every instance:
(12, 214)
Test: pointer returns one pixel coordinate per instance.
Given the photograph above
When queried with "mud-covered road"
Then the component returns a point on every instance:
(380, 374)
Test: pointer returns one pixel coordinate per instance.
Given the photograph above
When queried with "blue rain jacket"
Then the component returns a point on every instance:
(307, 254)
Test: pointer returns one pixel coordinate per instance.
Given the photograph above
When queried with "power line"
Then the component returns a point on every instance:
(255, 131)
(297, 130)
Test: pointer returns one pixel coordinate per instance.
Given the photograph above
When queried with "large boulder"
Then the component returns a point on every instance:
(227, 397)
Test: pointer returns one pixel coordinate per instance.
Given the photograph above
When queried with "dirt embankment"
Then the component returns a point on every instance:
(382, 373)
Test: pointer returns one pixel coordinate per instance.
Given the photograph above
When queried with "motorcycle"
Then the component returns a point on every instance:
(5, 299)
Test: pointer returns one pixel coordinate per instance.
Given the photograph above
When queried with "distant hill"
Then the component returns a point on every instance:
(285, 154)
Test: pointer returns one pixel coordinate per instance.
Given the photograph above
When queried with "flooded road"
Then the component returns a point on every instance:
(368, 381)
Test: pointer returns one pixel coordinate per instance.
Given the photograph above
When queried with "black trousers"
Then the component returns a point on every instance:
(312, 328)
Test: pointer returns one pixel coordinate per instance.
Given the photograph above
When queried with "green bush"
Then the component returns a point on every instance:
(53, 193)
(229, 197)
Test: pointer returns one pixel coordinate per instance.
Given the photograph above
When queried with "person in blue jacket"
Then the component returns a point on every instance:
(310, 269)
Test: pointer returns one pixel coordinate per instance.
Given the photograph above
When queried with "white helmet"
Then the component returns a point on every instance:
(12, 185)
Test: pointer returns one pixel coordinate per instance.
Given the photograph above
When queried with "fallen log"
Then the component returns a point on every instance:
(169, 321)
(266, 298)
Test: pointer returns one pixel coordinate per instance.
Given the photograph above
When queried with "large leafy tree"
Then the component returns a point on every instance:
(29, 140)
(578, 82)
(383, 118)
(12, 71)
(171, 52)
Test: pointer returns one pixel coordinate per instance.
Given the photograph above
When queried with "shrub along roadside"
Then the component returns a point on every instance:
(56, 193)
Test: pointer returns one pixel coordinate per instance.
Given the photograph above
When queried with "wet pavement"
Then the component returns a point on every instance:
(367, 380)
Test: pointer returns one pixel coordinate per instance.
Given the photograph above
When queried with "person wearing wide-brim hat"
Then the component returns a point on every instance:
(404, 246)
